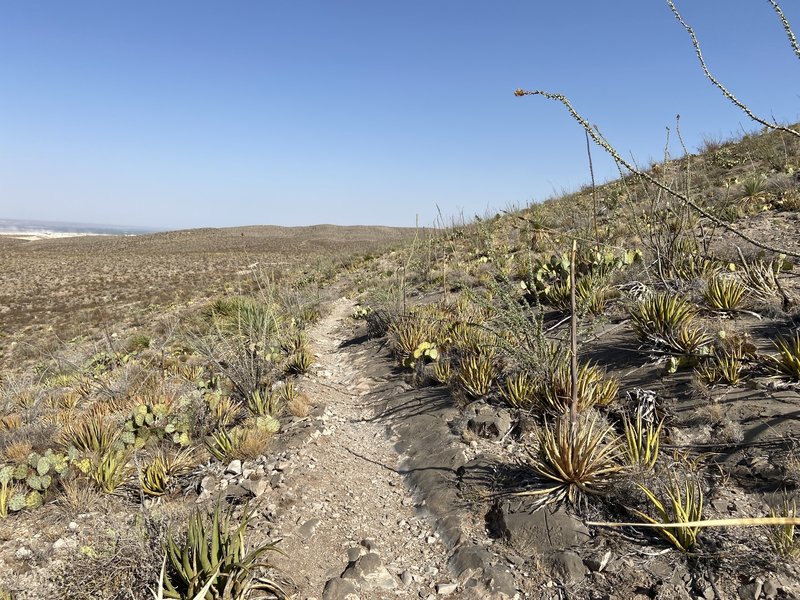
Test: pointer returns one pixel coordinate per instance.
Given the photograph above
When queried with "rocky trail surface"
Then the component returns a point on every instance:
(350, 528)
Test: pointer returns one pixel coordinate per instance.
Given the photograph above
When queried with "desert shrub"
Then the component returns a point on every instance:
(122, 564)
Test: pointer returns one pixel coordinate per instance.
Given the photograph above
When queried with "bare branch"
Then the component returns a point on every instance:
(735, 101)
(600, 141)
(786, 27)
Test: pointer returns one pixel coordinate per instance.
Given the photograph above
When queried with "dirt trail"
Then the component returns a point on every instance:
(344, 497)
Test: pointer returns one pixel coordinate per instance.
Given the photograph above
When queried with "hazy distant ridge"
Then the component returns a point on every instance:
(32, 227)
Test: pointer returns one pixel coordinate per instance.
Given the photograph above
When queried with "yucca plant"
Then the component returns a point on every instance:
(95, 434)
(300, 362)
(642, 442)
(519, 390)
(213, 561)
(264, 402)
(754, 189)
(110, 470)
(476, 374)
(782, 538)
(724, 293)
(787, 362)
(682, 502)
(578, 458)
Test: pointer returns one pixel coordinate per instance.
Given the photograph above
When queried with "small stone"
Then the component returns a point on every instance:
(234, 468)
(750, 591)
(406, 577)
(445, 589)
(72, 526)
(516, 560)
(353, 554)
(569, 566)
(369, 544)
(308, 529)
(256, 486)
(770, 588)
(23, 553)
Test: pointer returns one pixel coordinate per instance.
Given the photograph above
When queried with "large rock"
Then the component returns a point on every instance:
(340, 589)
(370, 573)
(546, 529)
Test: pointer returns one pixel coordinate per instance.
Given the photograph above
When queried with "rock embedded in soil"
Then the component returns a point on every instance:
(340, 589)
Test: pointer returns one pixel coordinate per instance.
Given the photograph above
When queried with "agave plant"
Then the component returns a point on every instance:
(476, 373)
(553, 391)
(642, 441)
(95, 434)
(519, 390)
(668, 321)
(682, 503)
(157, 474)
(787, 362)
(724, 293)
(213, 562)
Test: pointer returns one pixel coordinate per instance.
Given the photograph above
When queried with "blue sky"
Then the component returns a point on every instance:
(198, 113)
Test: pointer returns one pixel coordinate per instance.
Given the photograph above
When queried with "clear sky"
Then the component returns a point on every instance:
(196, 113)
